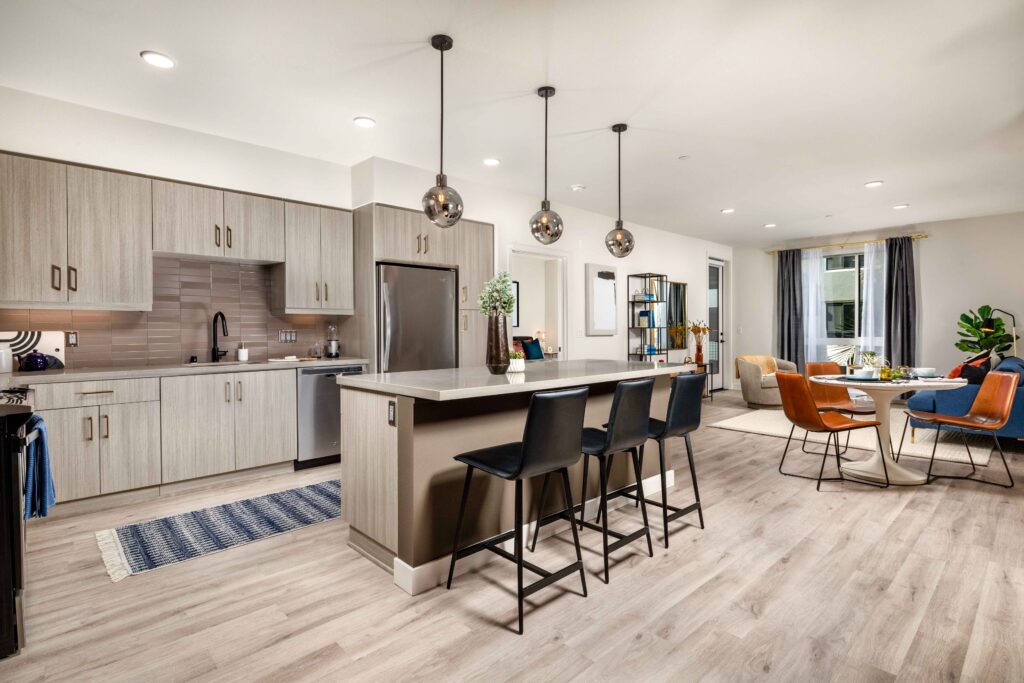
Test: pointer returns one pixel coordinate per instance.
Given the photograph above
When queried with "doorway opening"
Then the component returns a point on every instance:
(538, 282)
(716, 321)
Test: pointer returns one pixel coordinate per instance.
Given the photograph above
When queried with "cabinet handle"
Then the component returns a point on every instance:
(326, 294)
(93, 393)
(216, 234)
(90, 428)
(419, 243)
(228, 236)
(55, 271)
(238, 391)
(317, 289)
(426, 244)
(72, 278)
(227, 392)
(106, 426)
(465, 323)
(465, 293)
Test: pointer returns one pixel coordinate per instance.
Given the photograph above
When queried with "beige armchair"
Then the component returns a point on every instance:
(757, 379)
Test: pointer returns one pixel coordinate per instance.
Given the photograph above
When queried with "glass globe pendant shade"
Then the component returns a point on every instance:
(619, 241)
(442, 204)
(546, 225)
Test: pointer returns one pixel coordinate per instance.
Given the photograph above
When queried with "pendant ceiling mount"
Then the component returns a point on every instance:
(619, 241)
(546, 225)
(441, 203)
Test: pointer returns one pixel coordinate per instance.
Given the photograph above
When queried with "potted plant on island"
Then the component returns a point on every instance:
(496, 302)
(516, 361)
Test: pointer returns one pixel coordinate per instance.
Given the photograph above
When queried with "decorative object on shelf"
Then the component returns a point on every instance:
(515, 307)
(516, 361)
(546, 225)
(442, 204)
(602, 317)
(982, 331)
(619, 241)
(699, 329)
(496, 302)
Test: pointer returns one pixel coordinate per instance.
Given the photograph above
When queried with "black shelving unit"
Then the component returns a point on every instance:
(647, 339)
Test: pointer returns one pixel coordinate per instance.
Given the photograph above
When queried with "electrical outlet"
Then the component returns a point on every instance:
(72, 339)
(391, 413)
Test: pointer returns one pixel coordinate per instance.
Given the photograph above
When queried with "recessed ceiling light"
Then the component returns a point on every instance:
(160, 61)
(683, 157)
(577, 187)
(900, 207)
(769, 225)
(872, 184)
(728, 210)
(492, 162)
(828, 215)
(364, 122)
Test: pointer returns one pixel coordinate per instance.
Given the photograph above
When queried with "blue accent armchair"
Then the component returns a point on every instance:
(958, 402)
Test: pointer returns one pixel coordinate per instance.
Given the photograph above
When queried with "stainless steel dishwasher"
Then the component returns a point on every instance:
(319, 413)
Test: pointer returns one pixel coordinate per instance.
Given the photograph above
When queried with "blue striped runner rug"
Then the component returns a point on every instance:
(139, 548)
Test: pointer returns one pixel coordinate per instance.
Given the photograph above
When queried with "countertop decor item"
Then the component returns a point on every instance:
(516, 361)
(442, 204)
(497, 301)
(546, 225)
(619, 241)
(699, 329)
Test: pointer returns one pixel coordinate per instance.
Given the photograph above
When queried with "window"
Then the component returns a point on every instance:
(844, 295)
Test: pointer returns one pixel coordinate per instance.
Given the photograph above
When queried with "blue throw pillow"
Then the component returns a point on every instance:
(532, 350)
(1012, 364)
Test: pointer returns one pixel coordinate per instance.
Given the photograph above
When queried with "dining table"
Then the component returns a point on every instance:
(883, 393)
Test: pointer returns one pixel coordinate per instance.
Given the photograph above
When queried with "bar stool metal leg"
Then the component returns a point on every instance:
(583, 489)
(567, 496)
(693, 476)
(540, 510)
(519, 550)
(664, 489)
(458, 525)
(603, 510)
(643, 503)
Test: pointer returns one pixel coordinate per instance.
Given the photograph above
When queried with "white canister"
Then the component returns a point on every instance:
(243, 355)
(6, 359)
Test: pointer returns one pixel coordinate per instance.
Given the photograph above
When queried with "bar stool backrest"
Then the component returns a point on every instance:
(553, 437)
(684, 404)
(994, 401)
(630, 415)
(797, 402)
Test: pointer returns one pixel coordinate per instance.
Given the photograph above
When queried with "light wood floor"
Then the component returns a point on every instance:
(922, 583)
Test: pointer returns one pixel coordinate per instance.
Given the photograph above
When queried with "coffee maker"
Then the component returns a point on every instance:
(333, 346)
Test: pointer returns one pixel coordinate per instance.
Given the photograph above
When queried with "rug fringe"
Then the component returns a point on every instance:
(113, 555)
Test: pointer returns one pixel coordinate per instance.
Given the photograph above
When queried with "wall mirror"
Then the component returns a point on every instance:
(677, 336)
(602, 316)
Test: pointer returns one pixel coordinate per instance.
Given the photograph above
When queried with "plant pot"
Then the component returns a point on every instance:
(517, 365)
(698, 356)
(497, 344)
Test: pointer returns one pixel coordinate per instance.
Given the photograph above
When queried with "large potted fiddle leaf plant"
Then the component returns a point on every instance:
(977, 339)
(496, 302)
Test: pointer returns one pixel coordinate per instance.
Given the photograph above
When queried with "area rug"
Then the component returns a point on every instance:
(951, 447)
(145, 546)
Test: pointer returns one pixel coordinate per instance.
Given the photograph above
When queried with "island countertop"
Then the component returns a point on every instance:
(461, 383)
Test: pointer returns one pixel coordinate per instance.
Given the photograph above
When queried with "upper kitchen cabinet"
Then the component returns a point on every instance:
(188, 219)
(405, 235)
(474, 244)
(110, 239)
(316, 276)
(33, 231)
(253, 227)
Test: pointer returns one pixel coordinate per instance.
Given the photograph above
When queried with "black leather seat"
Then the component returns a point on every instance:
(551, 444)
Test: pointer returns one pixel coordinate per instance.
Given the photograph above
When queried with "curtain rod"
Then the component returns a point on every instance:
(846, 244)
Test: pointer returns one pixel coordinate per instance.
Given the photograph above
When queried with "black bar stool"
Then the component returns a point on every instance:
(683, 417)
(627, 432)
(551, 444)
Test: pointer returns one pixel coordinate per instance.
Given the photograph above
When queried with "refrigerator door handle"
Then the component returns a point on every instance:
(386, 321)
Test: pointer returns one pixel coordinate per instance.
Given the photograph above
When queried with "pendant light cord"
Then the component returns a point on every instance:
(546, 148)
(620, 176)
(442, 111)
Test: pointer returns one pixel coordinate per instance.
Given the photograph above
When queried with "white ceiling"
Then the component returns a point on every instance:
(785, 107)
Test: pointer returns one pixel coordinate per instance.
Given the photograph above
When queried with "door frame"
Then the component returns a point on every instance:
(725, 310)
(550, 254)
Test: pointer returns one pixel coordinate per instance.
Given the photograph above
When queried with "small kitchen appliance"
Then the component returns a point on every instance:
(333, 347)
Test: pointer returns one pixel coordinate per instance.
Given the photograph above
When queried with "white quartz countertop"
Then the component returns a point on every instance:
(25, 379)
(458, 383)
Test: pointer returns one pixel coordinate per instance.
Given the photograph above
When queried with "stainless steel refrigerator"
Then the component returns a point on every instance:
(416, 318)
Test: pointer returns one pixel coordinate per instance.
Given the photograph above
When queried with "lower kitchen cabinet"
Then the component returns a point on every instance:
(265, 420)
(197, 426)
(73, 439)
(129, 436)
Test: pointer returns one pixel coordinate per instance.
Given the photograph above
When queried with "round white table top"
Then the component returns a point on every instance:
(896, 386)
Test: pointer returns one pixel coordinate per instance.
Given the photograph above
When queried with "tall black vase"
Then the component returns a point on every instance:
(497, 344)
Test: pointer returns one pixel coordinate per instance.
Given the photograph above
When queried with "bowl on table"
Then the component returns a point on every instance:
(924, 373)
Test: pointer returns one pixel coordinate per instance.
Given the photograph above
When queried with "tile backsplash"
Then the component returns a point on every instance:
(186, 294)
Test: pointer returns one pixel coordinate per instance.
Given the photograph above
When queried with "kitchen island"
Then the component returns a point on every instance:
(400, 432)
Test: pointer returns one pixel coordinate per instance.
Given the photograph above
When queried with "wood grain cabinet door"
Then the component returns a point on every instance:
(33, 230)
(253, 227)
(110, 239)
(472, 338)
(302, 256)
(129, 436)
(440, 245)
(398, 234)
(197, 426)
(73, 437)
(265, 419)
(188, 219)
(336, 261)
(475, 246)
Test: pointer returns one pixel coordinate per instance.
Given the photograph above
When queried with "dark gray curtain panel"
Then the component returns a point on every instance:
(900, 302)
(789, 304)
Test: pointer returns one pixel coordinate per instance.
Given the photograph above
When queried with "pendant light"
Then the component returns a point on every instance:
(619, 241)
(546, 225)
(442, 204)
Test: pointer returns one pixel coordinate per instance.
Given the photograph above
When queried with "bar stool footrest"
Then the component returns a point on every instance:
(549, 577)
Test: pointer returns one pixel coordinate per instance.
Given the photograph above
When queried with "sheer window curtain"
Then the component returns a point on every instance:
(872, 324)
(812, 270)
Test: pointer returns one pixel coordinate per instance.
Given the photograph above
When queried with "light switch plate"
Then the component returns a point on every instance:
(72, 339)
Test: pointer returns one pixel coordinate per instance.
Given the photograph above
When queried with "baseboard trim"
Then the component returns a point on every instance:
(416, 580)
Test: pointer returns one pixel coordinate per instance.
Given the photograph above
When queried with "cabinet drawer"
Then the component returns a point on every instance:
(97, 393)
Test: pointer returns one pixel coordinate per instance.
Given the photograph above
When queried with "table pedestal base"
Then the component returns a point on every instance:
(871, 470)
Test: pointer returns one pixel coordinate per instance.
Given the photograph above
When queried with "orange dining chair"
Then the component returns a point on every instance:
(832, 399)
(989, 413)
(801, 409)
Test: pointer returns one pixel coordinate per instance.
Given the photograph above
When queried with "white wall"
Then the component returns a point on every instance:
(753, 302)
(37, 125)
(683, 259)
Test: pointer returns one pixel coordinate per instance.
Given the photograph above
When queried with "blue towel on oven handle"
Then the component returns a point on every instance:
(40, 494)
